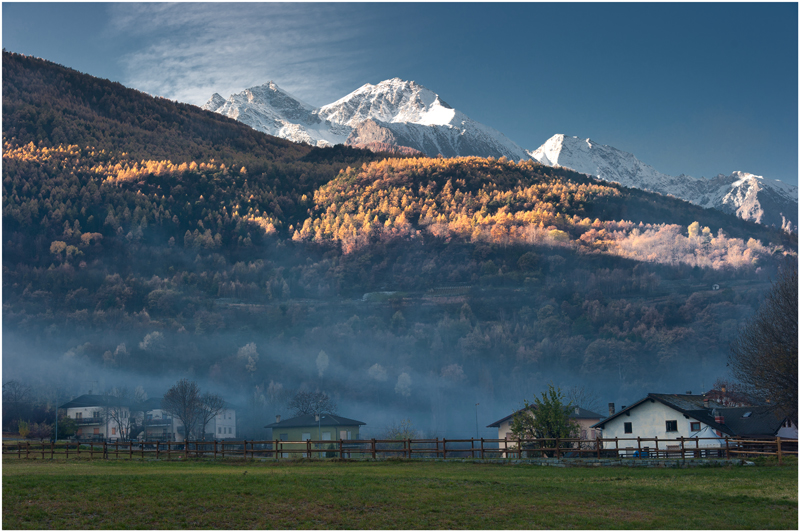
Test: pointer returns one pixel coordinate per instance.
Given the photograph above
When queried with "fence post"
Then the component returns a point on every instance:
(373, 448)
(558, 448)
(597, 446)
(616, 445)
(639, 445)
(780, 453)
(481, 448)
(158, 450)
(656, 447)
(276, 449)
(444, 448)
(727, 449)
(105, 450)
(683, 449)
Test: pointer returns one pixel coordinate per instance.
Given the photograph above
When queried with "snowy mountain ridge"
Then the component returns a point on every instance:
(404, 110)
(405, 114)
(751, 197)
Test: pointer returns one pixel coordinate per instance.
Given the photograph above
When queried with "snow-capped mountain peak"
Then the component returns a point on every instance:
(215, 102)
(393, 101)
(605, 162)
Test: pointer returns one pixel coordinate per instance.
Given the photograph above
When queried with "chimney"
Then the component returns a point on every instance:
(610, 409)
(723, 388)
(577, 410)
(719, 418)
(278, 418)
(705, 402)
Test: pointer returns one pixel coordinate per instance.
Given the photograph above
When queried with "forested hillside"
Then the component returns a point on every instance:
(146, 240)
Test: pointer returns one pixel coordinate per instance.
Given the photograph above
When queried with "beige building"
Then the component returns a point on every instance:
(585, 420)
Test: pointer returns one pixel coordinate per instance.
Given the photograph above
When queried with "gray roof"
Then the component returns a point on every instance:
(753, 420)
(89, 400)
(581, 413)
(309, 420)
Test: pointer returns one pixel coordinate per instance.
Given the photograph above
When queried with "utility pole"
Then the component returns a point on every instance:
(477, 435)
(55, 436)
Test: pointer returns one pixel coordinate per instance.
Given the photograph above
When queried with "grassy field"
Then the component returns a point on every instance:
(391, 495)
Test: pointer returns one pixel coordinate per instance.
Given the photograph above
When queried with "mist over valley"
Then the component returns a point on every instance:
(145, 241)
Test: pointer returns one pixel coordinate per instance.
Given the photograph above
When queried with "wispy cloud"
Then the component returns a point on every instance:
(318, 52)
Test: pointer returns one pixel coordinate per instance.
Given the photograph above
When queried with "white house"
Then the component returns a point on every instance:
(158, 424)
(92, 414)
(223, 426)
(672, 416)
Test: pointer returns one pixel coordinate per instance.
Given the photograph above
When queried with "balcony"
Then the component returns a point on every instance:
(162, 422)
(89, 421)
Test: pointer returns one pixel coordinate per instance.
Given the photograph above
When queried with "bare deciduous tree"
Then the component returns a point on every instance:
(16, 402)
(183, 401)
(117, 409)
(312, 403)
(764, 357)
(211, 404)
(583, 397)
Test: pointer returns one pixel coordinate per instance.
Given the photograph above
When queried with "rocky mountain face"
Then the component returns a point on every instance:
(397, 112)
(405, 117)
(748, 196)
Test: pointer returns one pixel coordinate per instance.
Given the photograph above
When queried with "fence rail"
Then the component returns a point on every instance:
(483, 448)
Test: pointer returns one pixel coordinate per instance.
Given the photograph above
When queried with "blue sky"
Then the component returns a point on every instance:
(690, 88)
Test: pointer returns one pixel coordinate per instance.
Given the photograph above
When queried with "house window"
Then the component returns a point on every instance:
(97, 431)
(113, 431)
(78, 415)
(695, 426)
(672, 426)
(629, 428)
(219, 430)
(326, 436)
(95, 414)
(583, 434)
(594, 434)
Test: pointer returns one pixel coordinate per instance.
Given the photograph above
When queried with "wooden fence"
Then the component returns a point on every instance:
(616, 448)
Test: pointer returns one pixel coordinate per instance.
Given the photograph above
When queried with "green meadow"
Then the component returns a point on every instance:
(391, 494)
